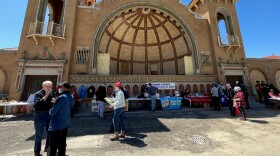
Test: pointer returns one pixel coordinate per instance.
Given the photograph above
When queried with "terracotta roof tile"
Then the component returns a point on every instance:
(273, 57)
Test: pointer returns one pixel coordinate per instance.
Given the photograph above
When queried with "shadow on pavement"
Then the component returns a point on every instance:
(139, 122)
(259, 121)
(135, 140)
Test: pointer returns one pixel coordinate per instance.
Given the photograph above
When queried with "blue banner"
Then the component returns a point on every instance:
(171, 103)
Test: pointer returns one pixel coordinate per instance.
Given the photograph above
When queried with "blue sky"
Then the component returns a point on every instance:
(259, 24)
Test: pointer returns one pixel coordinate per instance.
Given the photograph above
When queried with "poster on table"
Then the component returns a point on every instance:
(164, 85)
(170, 103)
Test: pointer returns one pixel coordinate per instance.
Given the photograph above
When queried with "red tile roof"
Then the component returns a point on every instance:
(274, 57)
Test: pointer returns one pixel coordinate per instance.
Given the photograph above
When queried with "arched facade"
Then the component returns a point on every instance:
(134, 42)
(144, 38)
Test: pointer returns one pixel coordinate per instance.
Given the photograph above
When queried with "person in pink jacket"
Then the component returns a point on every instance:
(239, 102)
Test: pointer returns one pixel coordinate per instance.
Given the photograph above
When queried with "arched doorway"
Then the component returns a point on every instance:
(2, 81)
(145, 39)
(256, 75)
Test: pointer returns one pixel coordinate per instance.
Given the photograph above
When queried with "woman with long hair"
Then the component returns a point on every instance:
(100, 95)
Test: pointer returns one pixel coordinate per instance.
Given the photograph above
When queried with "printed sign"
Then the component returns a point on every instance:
(164, 85)
(171, 103)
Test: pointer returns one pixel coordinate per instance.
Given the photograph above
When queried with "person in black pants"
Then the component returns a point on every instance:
(215, 97)
(60, 121)
(244, 90)
(229, 93)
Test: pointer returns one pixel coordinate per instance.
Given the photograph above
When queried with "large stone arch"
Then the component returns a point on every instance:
(256, 75)
(130, 6)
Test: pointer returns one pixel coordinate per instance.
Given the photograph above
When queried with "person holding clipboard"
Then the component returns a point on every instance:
(118, 104)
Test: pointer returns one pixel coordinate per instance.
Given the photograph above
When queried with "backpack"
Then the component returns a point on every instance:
(125, 93)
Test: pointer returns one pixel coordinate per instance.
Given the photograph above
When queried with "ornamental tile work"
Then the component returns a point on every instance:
(140, 79)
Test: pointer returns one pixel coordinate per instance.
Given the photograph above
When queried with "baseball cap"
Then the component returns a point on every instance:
(118, 84)
(65, 85)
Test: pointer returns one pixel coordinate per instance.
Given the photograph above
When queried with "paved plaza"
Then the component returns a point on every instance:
(188, 131)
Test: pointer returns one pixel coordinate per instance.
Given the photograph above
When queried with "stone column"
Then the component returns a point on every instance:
(42, 10)
(63, 12)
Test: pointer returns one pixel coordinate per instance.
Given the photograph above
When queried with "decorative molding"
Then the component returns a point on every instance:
(37, 67)
(206, 59)
(44, 54)
(141, 78)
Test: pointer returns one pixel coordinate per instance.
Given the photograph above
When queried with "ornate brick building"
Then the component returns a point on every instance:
(90, 42)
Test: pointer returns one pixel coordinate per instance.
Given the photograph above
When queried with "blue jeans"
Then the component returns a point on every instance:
(266, 100)
(153, 102)
(118, 119)
(41, 121)
(101, 107)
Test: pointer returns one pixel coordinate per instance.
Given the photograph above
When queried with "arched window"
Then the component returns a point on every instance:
(127, 87)
(188, 86)
(201, 89)
(135, 90)
(225, 27)
(51, 10)
(110, 90)
(195, 88)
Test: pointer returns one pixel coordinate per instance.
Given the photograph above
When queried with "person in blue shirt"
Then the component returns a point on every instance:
(152, 92)
(82, 92)
(60, 120)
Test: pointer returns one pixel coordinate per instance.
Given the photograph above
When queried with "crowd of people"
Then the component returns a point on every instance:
(236, 98)
(265, 92)
(53, 110)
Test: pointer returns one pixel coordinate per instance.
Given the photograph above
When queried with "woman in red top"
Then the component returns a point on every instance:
(239, 102)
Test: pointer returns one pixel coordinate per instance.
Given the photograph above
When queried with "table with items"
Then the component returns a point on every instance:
(200, 100)
(9, 105)
(276, 102)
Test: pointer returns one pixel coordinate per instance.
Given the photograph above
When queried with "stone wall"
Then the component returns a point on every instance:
(264, 69)
(8, 67)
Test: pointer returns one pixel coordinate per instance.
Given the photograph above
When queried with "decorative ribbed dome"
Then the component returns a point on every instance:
(143, 37)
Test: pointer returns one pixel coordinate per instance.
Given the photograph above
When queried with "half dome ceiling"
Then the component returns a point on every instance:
(140, 37)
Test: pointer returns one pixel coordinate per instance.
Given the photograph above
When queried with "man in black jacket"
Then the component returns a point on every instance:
(44, 99)
(229, 93)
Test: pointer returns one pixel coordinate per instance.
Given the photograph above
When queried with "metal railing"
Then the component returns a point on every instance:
(229, 40)
(49, 29)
